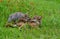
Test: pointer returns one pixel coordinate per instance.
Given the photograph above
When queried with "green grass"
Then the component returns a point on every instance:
(48, 9)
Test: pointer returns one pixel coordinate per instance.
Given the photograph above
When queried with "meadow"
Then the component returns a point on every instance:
(48, 9)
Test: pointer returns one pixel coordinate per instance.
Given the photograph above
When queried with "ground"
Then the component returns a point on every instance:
(48, 9)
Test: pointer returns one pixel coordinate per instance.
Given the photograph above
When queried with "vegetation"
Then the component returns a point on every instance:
(48, 9)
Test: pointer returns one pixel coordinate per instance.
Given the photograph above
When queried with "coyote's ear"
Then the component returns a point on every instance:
(40, 17)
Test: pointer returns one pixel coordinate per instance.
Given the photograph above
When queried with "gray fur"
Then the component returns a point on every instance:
(15, 16)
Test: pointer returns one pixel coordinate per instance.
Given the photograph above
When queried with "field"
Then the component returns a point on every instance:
(48, 9)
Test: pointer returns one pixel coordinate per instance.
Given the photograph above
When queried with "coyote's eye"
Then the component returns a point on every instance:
(32, 21)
